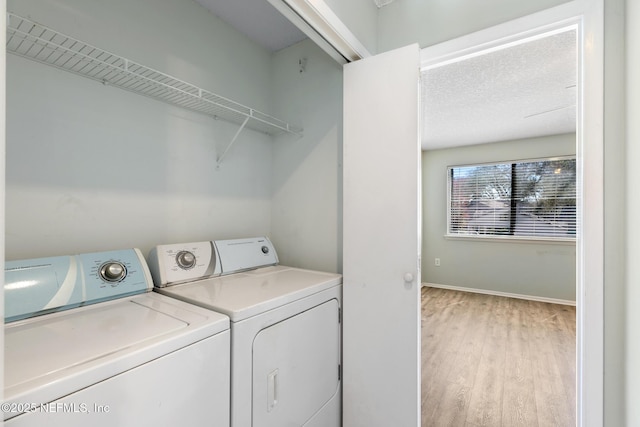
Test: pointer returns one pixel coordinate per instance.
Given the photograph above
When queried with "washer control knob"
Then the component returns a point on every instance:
(113, 271)
(186, 260)
(265, 250)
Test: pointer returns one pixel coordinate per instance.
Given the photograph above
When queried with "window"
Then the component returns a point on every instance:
(534, 198)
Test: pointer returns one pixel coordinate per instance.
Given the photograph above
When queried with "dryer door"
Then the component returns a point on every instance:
(296, 367)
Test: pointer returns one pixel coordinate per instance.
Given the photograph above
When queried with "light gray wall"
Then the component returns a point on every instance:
(307, 171)
(525, 268)
(91, 167)
(616, 191)
(429, 22)
(632, 296)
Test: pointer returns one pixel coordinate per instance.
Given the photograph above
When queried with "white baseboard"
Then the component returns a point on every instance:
(501, 294)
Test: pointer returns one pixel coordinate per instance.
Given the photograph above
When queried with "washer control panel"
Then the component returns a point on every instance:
(43, 285)
(186, 262)
(183, 262)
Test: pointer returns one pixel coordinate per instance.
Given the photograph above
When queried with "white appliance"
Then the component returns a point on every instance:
(88, 344)
(285, 327)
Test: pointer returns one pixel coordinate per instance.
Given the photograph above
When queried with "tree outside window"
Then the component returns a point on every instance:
(534, 198)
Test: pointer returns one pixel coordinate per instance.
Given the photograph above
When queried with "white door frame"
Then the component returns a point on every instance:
(588, 15)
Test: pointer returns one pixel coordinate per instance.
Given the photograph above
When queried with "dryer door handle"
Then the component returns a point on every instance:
(272, 390)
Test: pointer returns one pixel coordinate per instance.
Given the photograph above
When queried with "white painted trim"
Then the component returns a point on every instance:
(590, 243)
(340, 33)
(501, 36)
(501, 294)
(511, 239)
(322, 25)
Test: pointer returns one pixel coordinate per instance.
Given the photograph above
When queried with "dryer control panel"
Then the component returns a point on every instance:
(245, 254)
(44, 285)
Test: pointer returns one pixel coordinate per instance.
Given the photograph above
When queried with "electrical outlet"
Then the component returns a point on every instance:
(437, 262)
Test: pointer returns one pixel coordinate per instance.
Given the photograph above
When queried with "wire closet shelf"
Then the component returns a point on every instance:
(42, 44)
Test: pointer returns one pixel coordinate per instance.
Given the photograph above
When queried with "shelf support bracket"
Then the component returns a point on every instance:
(233, 140)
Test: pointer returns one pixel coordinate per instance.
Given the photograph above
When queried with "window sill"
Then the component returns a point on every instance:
(513, 239)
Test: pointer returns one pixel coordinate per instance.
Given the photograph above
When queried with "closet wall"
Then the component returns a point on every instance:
(92, 167)
(306, 216)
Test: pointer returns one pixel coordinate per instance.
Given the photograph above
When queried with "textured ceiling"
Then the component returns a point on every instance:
(522, 91)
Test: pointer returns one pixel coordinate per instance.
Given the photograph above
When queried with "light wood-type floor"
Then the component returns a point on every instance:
(496, 361)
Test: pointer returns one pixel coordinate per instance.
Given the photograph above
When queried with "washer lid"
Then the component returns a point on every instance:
(243, 295)
(50, 356)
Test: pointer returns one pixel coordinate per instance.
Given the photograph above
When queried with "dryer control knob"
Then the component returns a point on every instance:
(185, 260)
(113, 271)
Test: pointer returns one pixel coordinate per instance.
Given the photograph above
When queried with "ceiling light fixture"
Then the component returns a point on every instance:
(322, 25)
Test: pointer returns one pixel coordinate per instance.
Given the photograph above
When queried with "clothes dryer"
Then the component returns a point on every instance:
(285, 327)
(88, 344)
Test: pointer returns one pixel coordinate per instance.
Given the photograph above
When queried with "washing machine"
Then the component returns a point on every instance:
(285, 327)
(88, 344)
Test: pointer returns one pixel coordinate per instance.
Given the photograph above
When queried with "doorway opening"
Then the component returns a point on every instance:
(533, 29)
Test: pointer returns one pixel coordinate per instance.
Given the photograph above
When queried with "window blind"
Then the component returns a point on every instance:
(527, 198)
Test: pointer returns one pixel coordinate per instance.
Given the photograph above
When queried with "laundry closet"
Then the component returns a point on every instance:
(91, 166)
(98, 164)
